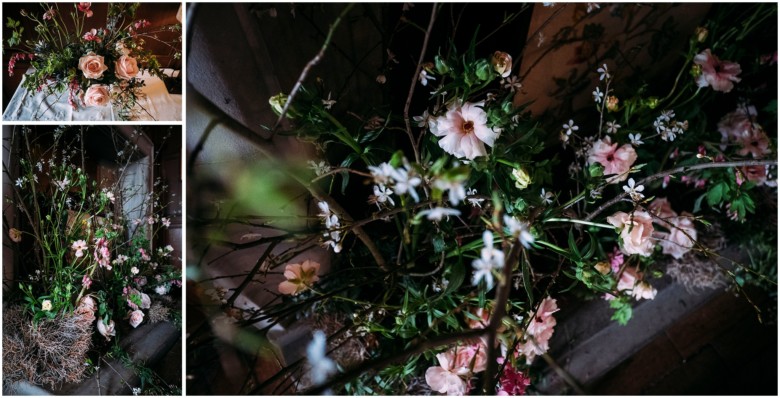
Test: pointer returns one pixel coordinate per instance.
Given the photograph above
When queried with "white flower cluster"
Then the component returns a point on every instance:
(333, 235)
(668, 128)
(389, 180)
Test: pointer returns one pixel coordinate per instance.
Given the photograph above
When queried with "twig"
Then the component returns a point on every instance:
(499, 310)
(681, 169)
(414, 83)
(314, 61)
(248, 279)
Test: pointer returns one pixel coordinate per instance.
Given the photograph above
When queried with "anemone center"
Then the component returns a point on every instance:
(468, 126)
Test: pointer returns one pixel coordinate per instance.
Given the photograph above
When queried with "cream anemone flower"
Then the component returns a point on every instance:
(464, 130)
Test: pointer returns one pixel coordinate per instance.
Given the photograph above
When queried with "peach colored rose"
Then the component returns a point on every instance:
(661, 208)
(136, 317)
(636, 231)
(92, 65)
(644, 290)
(617, 161)
(502, 63)
(299, 277)
(628, 279)
(15, 235)
(681, 236)
(126, 67)
(97, 95)
(464, 130)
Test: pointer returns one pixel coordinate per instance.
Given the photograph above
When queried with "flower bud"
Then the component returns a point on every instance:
(603, 267)
(612, 103)
(502, 63)
(277, 103)
(701, 34)
(522, 179)
(651, 102)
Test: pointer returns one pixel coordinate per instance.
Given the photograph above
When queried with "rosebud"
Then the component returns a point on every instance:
(701, 34)
(441, 66)
(696, 71)
(651, 102)
(612, 103)
(603, 267)
(502, 63)
(522, 179)
(277, 103)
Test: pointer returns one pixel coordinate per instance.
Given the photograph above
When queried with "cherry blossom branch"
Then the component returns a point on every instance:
(677, 170)
(314, 61)
(414, 83)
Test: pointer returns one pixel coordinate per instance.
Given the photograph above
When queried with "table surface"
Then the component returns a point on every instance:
(157, 105)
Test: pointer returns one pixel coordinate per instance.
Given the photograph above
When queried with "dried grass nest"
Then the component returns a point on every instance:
(47, 354)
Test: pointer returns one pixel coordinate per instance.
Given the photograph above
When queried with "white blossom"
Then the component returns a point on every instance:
(437, 213)
(520, 230)
(321, 367)
(475, 202)
(612, 127)
(603, 71)
(634, 190)
(598, 96)
(490, 259)
(635, 139)
(570, 127)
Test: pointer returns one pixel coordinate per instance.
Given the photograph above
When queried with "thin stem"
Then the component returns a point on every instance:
(574, 221)
(414, 83)
(677, 170)
(312, 62)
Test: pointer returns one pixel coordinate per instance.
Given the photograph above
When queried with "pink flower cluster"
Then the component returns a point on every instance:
(539, 330)
(102, 253)
(512, 382)
(454, 364)
(17, 57)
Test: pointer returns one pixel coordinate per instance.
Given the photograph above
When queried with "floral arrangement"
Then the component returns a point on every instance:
(475, 222)
(95, 67)
(82, 261)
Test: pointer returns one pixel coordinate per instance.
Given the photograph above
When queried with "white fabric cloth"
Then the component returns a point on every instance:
(37, 106)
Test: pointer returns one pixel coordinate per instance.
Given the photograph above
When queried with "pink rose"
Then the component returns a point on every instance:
(617, 161)
(661, 208)
(635, 232)
(126, 67)
(106, 330)
(627, 279)
(136, 317)
(97, 95)
(92, 65)
(681, 236)
(146, 302)
(454, 363)
(721, 75)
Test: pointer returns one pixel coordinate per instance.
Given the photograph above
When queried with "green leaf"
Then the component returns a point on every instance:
(456, 278)
(527, 282)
